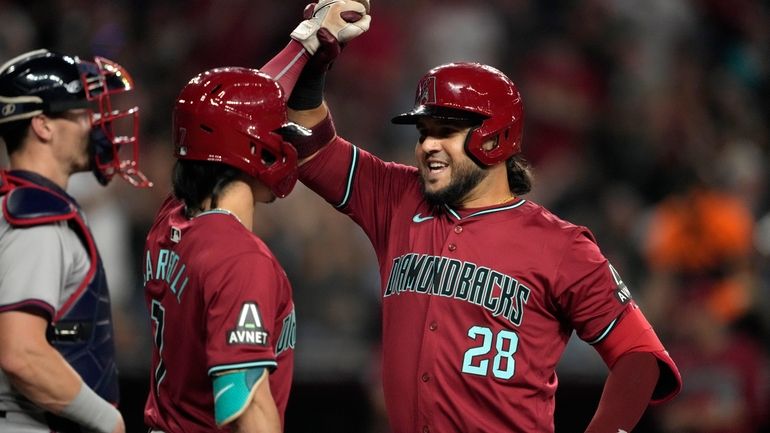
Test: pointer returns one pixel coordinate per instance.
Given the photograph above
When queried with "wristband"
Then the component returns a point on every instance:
(308, 93)
(323, 133)
(92, 411)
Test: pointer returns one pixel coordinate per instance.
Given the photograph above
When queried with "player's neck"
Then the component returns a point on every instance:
(488, 201)
(493, 190)
(41, 164)
(237, 200)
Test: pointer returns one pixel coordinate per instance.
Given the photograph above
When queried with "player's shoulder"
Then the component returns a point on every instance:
(43, 235)
(34, 214)
(551, 224)
(223, 234)
(170, 204)
(216, 233)
(170, 210)
(27, 206)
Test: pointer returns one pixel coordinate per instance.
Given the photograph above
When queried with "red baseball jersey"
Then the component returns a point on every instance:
(219, 301)
(478, 304)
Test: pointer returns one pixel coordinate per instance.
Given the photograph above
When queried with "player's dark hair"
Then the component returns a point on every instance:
(195, 181)
(14, 133)
(519, 175)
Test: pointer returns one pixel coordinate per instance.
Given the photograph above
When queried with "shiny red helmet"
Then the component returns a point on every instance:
(237, 116)
(475, 92)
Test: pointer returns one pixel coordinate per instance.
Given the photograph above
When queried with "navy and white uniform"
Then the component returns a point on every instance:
(49, 266)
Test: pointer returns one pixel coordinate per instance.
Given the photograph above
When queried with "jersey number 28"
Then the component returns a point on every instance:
(476, 359)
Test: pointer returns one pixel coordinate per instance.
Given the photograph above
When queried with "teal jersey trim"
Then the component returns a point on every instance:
(604, 334)
(214, 211)
(218, 211)
(485, 212)
(452, 211)
(349, 184)
(242, 365)
(232, 393)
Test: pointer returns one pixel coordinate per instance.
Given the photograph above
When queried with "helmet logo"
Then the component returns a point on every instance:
(73, 86)
(180, 142)
(8, 109)
(426, 91)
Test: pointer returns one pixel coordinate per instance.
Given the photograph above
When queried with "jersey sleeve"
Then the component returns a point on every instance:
(241, 302)
(587, 289)
(599, 307)
(359, 184)
(34, 265)
(633, 333)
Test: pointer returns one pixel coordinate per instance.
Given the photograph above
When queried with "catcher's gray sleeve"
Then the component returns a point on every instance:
(42, 263)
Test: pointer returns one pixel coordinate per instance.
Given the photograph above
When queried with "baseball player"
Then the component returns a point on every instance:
(220, 304)
(223, 317)
(57, 366)
(481, 288)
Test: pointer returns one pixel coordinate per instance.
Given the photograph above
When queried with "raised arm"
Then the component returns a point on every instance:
(328, 26)
(329, 20)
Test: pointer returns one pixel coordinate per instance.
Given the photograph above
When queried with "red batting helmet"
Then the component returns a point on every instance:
(237, 116)
(471, 91)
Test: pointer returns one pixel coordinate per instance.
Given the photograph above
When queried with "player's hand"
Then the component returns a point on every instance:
(328, 51)
(343, 19)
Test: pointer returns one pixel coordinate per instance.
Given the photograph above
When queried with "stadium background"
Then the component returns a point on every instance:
(645, 121)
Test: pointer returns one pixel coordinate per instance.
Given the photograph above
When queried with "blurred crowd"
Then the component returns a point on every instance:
(646, 121)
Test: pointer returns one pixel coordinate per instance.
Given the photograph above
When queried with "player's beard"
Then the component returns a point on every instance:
(465, 177)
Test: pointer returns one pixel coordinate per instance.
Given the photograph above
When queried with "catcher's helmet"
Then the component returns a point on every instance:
(237, 116)
(44, 82)
(475, 92)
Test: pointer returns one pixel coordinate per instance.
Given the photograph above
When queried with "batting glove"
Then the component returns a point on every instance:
(344, 19)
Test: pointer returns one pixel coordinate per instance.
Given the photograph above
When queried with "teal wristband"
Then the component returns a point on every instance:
(233, 391)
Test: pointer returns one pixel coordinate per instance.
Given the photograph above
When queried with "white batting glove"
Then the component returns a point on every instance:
(328, 14)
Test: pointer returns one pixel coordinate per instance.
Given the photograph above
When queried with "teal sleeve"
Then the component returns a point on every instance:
(232, 393)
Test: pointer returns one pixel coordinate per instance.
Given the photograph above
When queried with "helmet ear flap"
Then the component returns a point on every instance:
(504, 148)
(263, 156)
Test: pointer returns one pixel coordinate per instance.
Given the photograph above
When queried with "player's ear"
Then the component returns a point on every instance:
(41, 125)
